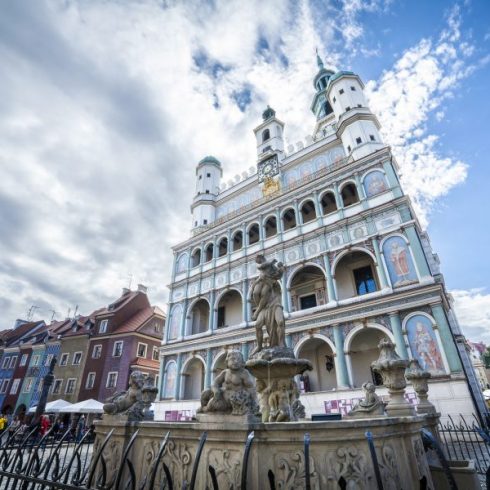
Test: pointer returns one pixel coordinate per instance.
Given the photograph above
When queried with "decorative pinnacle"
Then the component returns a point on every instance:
(319, 61)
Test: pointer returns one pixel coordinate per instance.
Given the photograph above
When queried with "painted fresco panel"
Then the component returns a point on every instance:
(175, 320)
(170, 379)
(399, 261)
(375, 183)
(423, 344)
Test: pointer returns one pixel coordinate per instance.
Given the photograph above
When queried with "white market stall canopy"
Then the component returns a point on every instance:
(56, 406)
(87, 406)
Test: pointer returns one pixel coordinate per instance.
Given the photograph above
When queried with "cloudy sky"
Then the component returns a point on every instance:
(107, 106)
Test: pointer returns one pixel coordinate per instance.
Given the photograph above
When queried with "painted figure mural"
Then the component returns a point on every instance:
(170, 378)
(423, 344)
(175, 319)
(374, 183)
(399, 261)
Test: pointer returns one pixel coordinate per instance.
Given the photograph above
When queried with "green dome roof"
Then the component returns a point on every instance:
(210, 159)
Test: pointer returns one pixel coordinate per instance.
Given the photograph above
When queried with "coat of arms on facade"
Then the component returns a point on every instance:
(271, 187)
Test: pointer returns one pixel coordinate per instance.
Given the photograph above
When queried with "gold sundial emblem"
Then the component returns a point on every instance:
(270, 187)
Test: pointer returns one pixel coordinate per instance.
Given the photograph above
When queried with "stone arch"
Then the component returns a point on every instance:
(222, 246)
(355, 273)
(307, 286)
(270, 226)
(181, 263)
(237, 240)
(197, 321)
(170, 379)
(307, 210)
(253, 233)
(196, 257)
(229, 306)
(328, 202)
(361, 347)
(208, 252)
(289, 219)
(193, 374)
(320, 351)
(349, 193)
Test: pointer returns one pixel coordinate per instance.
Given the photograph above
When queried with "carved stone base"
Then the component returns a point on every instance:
(219, 418)
(376, 412)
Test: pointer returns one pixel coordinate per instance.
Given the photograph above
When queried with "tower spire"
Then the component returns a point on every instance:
(319, 61)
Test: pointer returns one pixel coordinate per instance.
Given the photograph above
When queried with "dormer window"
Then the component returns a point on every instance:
(266, 135)
(103, 326)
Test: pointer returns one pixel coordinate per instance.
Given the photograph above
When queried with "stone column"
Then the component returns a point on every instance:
(245, 316)
(379, 266)
(209, 362)
(261, 231)
(179, 376)
(447, 340)
(289, 341)
(396, 327)
(332, 296)
(340, 362)
(418, 251)
(161, 377)
(213, 313)
(183, 321)
(299, 219)
(338, 200)
(360, 191)
(286, 300)
(318, 208)
(392, 179)
(279, 223)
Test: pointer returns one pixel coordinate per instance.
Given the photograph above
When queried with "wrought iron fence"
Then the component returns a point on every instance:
(32, 462)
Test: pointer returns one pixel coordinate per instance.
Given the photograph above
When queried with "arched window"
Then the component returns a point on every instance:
(193, 379)
(349, 195)
(364, 351)
(329, 205)
(237, 241)
(266, 135)
(355, 275)
(170, 379)
(270, 227)
(289, 219)
(230, 309)
(308, 212)
(253, 234)
(308, 288)
(223, 247)
(196, 258)
(322, 377)
(198, 318)
(209, 252)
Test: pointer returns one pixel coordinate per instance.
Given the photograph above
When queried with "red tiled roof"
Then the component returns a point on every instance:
(22, 330)
(119, 303)
(136, 321)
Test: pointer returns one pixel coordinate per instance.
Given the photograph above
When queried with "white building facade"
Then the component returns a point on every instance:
(358, 266)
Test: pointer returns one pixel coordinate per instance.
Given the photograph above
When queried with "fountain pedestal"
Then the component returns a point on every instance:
(275, 369)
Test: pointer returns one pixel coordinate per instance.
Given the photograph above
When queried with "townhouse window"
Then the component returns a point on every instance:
(77, 358)
(118, 348)
(347, 108)
(35, 360)
(103, 326)
(4, 386)
(48, 360)
(142, 348)
(40, 385)
(13, 362)
(205, 221)
(155, 354)
(5, 364)
(23, 359)
(70, 386)
(111, 379)
(28, 385)
(57, 386)
(89, 384)
(97, 351)
(64, 359)
(15, 386)
(208, 175)
(364, 280)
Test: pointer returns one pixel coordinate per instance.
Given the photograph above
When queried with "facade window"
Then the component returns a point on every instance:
(155, 355)
(142, 348)
(156, 327)
(103, 326)
(334, 100)
(28, 385)
(341, 91)
(308, 301)
(15, 386)
(118, 348)
(77, 358)
(97, 351)
(358, 141)
(57, 386)
(207, 191)
(48, 359)
(364, 279)
(359, 105)
(40, 385)
(208, 175)
(70, 386)
(111, 379)
(371, 137)
(200, 177)
(221, 316)
(5, 364)
(349, 148)
(13, 362)
(205, 221)
(4, 385)
(195, 223)
(35, 360)
(90, 381)
(23, 359)
(353, 89)
(266, 135)
(64, 359)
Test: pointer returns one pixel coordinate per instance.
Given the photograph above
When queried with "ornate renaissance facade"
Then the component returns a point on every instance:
(358, 266)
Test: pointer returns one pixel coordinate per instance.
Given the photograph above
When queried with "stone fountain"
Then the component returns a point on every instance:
(259, 397)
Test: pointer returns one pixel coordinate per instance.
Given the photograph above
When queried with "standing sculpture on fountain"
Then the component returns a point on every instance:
(266, 295)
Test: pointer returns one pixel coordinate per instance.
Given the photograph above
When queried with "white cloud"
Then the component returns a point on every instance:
(473, 312)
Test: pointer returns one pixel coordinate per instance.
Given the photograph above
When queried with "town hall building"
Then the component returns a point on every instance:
(358, 266)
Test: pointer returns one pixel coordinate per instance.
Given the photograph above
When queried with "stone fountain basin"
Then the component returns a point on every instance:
(278, 368)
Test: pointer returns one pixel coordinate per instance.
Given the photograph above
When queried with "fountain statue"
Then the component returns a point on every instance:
(370, 406)
(275, 365)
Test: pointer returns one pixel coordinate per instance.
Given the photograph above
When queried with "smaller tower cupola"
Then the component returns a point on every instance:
(321, 106)
(269, 135)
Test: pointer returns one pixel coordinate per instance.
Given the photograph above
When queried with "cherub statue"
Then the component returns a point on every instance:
(263, 392)
(129, 401)
(232, 390)
(370, 405)
(266, 296)
(280, 401)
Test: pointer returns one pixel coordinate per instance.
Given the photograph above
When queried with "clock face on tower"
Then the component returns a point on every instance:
(268, 168)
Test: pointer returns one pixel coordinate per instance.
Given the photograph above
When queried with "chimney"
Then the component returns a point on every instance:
(142, 288)
(125, 291)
